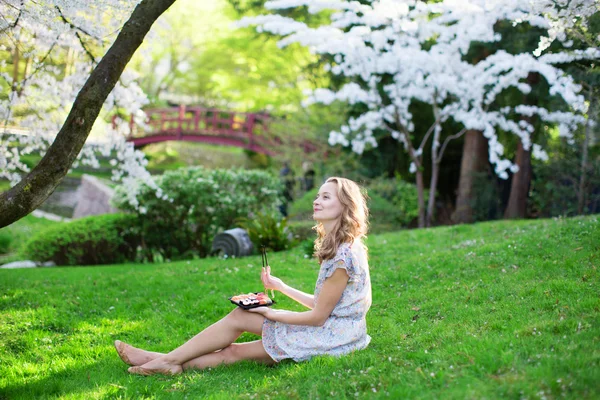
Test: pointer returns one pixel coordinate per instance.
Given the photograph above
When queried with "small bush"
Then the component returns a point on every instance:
(99, 239)
(198, 204)
(268, 230)
(308, 247)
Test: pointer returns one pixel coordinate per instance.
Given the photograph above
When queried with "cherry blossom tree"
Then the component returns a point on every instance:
(43, 95)
(396, 52)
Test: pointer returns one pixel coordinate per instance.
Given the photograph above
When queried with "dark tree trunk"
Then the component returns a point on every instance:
(36, 186)
(421, 198)
(474, 159)
(435, 173)
(519, 188)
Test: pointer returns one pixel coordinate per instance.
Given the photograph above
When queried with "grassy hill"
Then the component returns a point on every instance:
(504, 309)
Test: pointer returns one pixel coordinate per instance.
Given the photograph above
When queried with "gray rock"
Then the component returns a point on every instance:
(93, 198)
(47, 264)
(49, 216)
(19, 264)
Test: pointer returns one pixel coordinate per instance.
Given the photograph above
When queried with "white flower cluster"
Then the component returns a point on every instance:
(44, 93)
(422, 47)
(561, 16)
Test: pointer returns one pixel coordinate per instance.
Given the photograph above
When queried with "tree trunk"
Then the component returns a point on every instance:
(36, 186)
(421, 198)
(519, 188)
(584, 158)
(432, 189)
(474, 159)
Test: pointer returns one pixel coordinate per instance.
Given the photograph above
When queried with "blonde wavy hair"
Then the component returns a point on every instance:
(352, 224)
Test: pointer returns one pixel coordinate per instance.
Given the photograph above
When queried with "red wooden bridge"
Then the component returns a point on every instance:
(196, 124)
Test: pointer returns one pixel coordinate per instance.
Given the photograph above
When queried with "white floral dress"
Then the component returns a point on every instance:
(346, 328)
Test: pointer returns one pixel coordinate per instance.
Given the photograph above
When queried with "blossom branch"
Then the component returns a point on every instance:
(448, 139)
(429, 131)
(76, 28)
(16, 21)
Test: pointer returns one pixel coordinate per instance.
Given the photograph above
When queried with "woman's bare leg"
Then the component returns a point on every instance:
(216, 337)
(133, 355)
(231, 354)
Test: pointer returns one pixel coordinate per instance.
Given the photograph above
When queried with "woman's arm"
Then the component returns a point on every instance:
(307, 300)
(271, 282)
(332, 290)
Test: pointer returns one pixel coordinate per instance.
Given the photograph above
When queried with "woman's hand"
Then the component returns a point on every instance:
(269, 281)
(260, 310)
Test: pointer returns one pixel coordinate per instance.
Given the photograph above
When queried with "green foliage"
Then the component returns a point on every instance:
(267, 230)
(308, 247)
(99, 239)
(200, 204)
(312, 125)
(555, 184)
(302, 230)
(401, 195)
(217, 66)
(487, 204)
(458, 312)
(5, 242)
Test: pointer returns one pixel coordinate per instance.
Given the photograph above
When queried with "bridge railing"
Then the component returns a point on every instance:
(193, 120)
(193, 123)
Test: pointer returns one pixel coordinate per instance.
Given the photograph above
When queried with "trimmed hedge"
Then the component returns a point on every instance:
(99, 239)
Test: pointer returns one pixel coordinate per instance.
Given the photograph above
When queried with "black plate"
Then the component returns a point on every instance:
(248, 307)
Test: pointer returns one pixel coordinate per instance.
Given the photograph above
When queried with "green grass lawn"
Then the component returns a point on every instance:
(492, 310)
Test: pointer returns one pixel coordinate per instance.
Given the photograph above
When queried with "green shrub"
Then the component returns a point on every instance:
(401, 195)
(99, 239)
(308, 247)
(268, 230)
(197, 204)
(555, 187)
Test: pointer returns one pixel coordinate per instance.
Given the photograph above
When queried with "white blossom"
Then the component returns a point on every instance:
(387, 37)
(538, 153)
(48, 91)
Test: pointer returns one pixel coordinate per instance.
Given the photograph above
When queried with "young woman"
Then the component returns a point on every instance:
(334, 325)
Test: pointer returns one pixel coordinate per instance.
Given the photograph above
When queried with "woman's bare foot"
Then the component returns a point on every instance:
(134, 356)
(157, 366)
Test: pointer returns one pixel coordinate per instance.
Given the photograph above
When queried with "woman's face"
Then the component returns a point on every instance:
(327, 206)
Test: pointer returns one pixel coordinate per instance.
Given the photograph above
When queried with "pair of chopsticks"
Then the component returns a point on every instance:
(265, 262)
